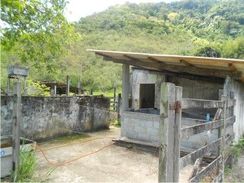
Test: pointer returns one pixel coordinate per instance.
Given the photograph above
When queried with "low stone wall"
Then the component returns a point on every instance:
(46, 117)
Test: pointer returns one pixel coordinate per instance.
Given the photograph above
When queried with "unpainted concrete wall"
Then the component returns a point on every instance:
(237, 88)
(140, 126)
(194, 88)
(145, 127)
(145, 77)
(46, 117)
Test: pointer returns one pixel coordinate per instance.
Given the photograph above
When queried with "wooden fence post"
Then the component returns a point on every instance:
(67, 85)
(79, 87)
(177, 130)
(221, 133)
(114, 107)
(166, 133)
(16, 127)
(118, 106)
(8, 86)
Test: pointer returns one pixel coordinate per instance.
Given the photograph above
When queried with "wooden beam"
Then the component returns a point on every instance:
(207, 170)
(192, 157)
(158, 66)
(196, 129)
(187, 63)
(200, 103)
(177, 132)
(232, 67)
(16, 128)
(166, 133)
(155, 60)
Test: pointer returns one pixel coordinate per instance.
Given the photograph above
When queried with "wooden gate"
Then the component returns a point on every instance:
(170, 162)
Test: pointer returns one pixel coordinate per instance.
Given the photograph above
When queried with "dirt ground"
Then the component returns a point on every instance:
(236, 174)
(94, 159)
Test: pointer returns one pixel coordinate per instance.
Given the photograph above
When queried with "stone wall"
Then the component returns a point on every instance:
(46, 117)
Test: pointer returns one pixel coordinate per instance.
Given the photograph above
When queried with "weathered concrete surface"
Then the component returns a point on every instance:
(45, 117)
(111, 164)
(233, 87)
(140, 126)
(145, 77)
(194, 88)
(145, 128)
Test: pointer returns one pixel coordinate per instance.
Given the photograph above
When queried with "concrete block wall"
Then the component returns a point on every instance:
(140, 126)
(145, 77)
(46, 117)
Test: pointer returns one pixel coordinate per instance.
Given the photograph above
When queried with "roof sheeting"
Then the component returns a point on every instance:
(205, 66)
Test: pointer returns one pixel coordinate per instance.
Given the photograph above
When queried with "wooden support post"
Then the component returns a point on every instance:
(55, 90)
(25, 87)
(114, 107)
(8, 86)
(67, 85)
(166, 133)
(125, 86)
(79, 87)
(177, 131)
(118, 106)
(222, 134)
(16, 127)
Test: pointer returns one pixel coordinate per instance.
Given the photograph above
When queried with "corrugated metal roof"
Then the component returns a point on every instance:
(205, 66)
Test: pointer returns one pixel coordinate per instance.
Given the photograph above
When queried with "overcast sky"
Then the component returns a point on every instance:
(80, 8)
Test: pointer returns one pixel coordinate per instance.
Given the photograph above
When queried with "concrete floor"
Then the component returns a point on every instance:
(95, 159)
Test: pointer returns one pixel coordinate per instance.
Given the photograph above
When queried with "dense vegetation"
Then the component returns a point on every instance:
(52, 47)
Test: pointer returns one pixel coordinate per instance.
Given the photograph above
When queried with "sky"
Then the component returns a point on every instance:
(76, 9)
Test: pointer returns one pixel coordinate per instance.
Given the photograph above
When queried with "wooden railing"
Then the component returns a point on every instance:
(171, 133)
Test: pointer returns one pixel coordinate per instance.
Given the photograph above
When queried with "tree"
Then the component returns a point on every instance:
(36, 30)
(234, 48)
(208, 52)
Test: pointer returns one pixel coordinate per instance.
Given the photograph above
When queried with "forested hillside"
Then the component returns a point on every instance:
(189, 27)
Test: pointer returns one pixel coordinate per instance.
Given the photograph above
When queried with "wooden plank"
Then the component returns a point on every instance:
(199, 128)
(192, 157)
(230, 102)
(196, 129)
(200, 103)
(222, 134)
(67, 85)
(166, 132)
(158, 66)
(177, 131)
(16, 126)
(207, 170)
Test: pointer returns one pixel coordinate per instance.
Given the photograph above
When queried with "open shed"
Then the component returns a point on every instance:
(201, 78)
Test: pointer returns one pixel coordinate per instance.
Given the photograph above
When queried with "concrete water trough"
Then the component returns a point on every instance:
(6, 152)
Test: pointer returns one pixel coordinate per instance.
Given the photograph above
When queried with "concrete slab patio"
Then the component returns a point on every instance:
(94, 159)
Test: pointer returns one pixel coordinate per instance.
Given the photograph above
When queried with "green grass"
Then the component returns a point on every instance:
(116, 123)
(26, 167)
(106, 93)
(238, 148)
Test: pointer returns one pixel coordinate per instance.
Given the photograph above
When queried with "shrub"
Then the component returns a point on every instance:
(26, 167)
